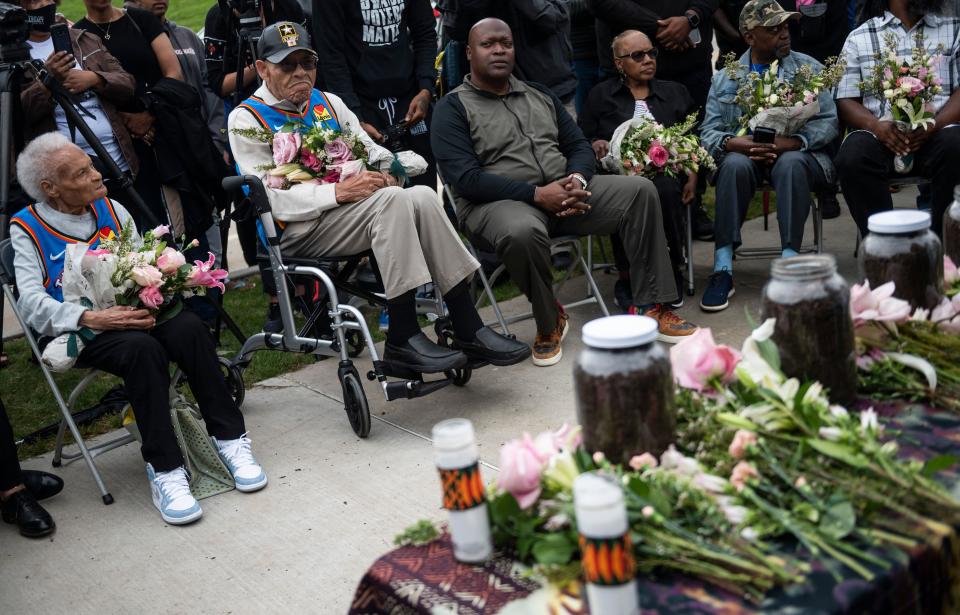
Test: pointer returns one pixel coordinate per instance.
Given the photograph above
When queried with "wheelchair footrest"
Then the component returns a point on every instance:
(410, 389)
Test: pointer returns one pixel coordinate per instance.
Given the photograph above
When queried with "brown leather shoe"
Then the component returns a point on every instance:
(546, 348)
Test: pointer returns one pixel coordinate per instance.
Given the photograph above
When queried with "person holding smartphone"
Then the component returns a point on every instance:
(78, 59)
(795, 165)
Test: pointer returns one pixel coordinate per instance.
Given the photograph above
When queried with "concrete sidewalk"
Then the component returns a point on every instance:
(334, 502)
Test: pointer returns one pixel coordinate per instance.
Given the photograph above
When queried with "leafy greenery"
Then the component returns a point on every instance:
(420, 533)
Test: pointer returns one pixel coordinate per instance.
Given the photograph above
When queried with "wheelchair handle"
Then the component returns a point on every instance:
(258, 194)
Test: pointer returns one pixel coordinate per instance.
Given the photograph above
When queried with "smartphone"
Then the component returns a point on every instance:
(60, 33)
(764, 135)
(695, 37)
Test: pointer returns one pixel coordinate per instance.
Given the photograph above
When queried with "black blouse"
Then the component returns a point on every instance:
(611, 103)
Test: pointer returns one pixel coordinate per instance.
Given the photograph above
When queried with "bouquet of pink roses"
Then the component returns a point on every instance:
(907, 87)
(647, 148)
(310, 155)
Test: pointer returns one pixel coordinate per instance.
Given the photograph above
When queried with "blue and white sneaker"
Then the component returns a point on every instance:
(247, 473)
(719, 290)
(172, 497)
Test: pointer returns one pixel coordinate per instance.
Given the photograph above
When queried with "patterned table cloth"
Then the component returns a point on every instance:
(428, 579)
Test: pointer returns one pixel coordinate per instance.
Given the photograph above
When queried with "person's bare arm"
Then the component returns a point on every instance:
(169, 64)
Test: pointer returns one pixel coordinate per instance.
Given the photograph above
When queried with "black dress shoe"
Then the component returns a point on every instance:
(42, 485)
(623, 294)
(493, 348)
(22, 509)
(829, 206)
(422, 355)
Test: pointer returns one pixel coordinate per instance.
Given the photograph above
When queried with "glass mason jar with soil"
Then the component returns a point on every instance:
(901, 248)
(624, 388)
(951, 228)
(814, 330)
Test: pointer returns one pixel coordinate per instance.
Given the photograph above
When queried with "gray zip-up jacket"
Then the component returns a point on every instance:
(490, 148)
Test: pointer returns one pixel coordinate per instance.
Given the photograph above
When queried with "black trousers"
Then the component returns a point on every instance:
(865, 165)
(388, 111)
(10, 475)
(142, 359)
(669, 190)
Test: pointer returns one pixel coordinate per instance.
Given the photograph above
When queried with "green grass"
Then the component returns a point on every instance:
(189, 13)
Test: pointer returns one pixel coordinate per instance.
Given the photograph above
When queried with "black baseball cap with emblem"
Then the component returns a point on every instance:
(281, 39)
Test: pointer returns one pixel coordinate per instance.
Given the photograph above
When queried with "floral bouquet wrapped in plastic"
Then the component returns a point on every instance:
(640, 147)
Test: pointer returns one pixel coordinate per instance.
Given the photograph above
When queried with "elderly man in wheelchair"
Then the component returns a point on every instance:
(71, 207)
(406, 229)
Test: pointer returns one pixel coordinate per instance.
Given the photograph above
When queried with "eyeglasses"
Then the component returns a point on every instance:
(640, 54)
(290, 66)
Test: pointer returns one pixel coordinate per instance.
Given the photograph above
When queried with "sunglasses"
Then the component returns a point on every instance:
(290, 66)
(640, 54)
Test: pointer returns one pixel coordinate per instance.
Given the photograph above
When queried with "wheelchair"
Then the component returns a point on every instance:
(349, 333)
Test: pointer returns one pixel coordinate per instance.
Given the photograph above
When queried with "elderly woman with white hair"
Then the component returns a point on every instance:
(71, 207)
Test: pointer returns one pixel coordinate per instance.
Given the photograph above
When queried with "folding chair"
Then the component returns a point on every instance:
(559, 244)
(775, 252)
(68, 407)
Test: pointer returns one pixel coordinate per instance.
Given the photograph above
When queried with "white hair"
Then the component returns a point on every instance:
(36, 163)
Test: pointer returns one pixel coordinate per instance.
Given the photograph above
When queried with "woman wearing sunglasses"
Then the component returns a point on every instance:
(635, 93)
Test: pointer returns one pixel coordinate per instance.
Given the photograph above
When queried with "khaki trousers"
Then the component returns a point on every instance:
(520, 234)
(407, 229)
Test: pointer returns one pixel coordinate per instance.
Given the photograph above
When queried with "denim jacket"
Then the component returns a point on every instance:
(722, 115)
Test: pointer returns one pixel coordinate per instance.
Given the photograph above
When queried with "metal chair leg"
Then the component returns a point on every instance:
(690, 285)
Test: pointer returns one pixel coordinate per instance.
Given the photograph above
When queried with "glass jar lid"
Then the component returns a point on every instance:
(617, 332)
(453, 434)
(898, 221)
(804, 268)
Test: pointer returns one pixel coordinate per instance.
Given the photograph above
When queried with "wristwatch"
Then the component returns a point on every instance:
(580, 178)
(693, 18)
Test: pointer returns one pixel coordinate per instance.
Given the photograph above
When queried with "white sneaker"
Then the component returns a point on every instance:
(172, 497)
(247, 473)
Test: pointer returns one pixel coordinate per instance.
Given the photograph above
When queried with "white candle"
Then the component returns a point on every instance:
(606, 551)
(457, 459)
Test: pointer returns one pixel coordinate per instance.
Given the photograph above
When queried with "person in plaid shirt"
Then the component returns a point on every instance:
(865, 161)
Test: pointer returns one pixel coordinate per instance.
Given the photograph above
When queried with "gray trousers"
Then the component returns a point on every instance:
(407, 229)
(793, 176)
(520, 235)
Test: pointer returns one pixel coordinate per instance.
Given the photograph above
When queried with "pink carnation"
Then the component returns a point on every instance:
(742, 472)
(160, 231)
(146, 275)
(644, 460)
(204, 275)
(286, 146)
(741, 440)
(151, 297)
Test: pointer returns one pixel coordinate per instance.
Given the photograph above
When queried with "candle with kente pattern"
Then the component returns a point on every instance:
(606, 553)
(457, 459)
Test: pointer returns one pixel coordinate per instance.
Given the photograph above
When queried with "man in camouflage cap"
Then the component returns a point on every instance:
(794, 164)
(766, 13)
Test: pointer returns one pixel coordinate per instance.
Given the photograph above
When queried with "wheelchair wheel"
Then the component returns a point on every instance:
(355, 403)
(459, 377)
(234, 378)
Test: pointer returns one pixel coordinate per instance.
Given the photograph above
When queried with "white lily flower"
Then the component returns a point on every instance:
(764, 331)
(813, 393)
(749, 534)
(710, 482)
(672, 459)
(838, 412)
(869, 422)
(788, 391)
(831, 433)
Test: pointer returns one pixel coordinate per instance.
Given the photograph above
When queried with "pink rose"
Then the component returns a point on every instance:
(741, 440)
(151, 297)
(877, 304)
(520, 468)
(644, 460)
(276, 182)
(160, 230)
(658, 155)
(146, 275)
(286, 146)
(309, 160)
(950, 272)
(698, 359)
(742, 472)
(170, 260)
(338, 151)
(204, 275)
(916, 86)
